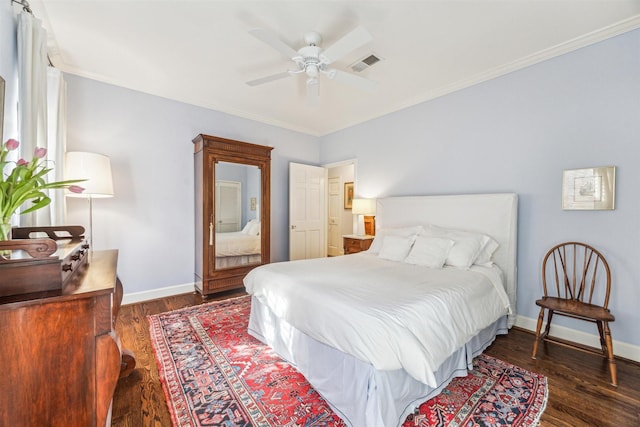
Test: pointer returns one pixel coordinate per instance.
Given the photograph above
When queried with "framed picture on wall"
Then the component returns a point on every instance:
(589, 189)
(348, 195)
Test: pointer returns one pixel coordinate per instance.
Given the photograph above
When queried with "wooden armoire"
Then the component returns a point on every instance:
(212, 155)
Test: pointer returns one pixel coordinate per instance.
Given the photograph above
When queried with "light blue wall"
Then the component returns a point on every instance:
(516, 134)
(150, 219)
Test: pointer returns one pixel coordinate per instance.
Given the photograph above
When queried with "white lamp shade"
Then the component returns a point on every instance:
(95, 168)
(363, 207)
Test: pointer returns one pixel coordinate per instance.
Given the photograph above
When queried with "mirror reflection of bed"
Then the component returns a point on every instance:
(237, 207)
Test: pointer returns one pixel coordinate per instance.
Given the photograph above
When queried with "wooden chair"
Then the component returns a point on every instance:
(582, 286)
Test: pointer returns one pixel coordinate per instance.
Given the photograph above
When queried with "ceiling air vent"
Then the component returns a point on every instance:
(365, 63)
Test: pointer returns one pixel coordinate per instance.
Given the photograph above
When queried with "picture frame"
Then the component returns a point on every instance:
(348, 195)
(589, 188)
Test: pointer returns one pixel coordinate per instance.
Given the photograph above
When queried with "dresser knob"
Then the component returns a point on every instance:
(75, 257)
(66, 267)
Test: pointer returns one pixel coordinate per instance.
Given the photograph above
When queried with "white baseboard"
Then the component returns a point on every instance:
(622, 349)
(134, 297)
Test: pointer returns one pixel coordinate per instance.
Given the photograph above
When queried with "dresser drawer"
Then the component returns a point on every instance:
(354, 245)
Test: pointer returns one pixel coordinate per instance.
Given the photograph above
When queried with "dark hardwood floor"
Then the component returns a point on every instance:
(579, 390)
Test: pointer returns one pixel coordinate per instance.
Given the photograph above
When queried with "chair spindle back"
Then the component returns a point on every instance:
(580, 273)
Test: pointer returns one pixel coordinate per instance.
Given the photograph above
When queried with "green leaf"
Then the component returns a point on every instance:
(38, 204)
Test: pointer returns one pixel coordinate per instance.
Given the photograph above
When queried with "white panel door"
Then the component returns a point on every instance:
(228, 206)
(307, 211)
(334, 224)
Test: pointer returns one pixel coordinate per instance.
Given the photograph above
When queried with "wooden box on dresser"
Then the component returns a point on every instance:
(209, 152)
(60, 357)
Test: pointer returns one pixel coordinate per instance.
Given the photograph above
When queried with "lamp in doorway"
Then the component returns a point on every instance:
(96, 170)
(366, 210)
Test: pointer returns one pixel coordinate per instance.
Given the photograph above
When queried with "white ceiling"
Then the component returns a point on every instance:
(200, 52)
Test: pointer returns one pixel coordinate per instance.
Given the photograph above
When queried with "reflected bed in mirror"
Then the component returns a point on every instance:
(237, 225)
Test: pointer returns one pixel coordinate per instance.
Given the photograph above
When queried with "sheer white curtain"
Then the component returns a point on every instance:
(56, 139)
(38, 126)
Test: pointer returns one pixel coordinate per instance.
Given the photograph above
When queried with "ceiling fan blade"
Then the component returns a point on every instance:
(313, 91)
(352, 41)
(353, 80)
(272, 40)
(268, 79)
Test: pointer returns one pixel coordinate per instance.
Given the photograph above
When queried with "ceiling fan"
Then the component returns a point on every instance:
(312, 60)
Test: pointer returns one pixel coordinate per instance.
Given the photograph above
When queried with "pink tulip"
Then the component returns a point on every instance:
(23, 162)
(12, 144)
(40, 152)
(76, 189)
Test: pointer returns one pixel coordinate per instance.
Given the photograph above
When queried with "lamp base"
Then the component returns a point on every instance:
(370, 225)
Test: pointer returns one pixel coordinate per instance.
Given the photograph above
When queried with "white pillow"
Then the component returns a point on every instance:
(395, 248)
(486, 253)
(431, 252)
(247, 226)
(467, 247)
(255, 228)
(402, 232)
(464, 252)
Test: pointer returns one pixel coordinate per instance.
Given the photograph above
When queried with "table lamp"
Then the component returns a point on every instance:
(364, 208)
(96, 169)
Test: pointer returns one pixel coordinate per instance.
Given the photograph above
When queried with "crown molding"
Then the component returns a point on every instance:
(585, 40)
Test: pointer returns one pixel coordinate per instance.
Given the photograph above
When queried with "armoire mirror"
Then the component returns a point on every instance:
(237, 215)
(232, 200)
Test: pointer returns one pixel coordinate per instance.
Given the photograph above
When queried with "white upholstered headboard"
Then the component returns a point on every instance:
(493, 214)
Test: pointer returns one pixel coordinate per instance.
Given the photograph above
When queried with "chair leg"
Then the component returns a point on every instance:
(612, 361)
(603, 343)
(548, 327)
(538, 328)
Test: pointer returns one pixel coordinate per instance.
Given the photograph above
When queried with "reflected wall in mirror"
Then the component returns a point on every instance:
(237, 221)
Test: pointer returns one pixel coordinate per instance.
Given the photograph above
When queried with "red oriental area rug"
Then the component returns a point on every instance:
(214, 373)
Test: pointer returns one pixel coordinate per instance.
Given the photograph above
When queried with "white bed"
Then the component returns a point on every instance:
(373, 354)
(239, 247)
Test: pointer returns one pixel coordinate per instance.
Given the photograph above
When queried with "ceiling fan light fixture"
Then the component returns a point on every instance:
(312, 70)
(314, 60)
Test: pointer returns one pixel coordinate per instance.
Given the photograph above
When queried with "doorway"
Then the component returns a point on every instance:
(319, 216)
(339, 218)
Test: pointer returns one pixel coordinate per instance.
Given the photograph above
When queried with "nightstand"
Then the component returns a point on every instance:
(353, 243)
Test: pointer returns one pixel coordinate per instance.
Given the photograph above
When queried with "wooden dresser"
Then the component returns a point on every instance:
(60, 356)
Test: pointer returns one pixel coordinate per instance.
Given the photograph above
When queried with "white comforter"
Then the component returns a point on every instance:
(391, 314)
(236, 244)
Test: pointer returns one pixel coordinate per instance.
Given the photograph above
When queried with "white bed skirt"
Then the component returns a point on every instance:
(238, 260)
(359, 394)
